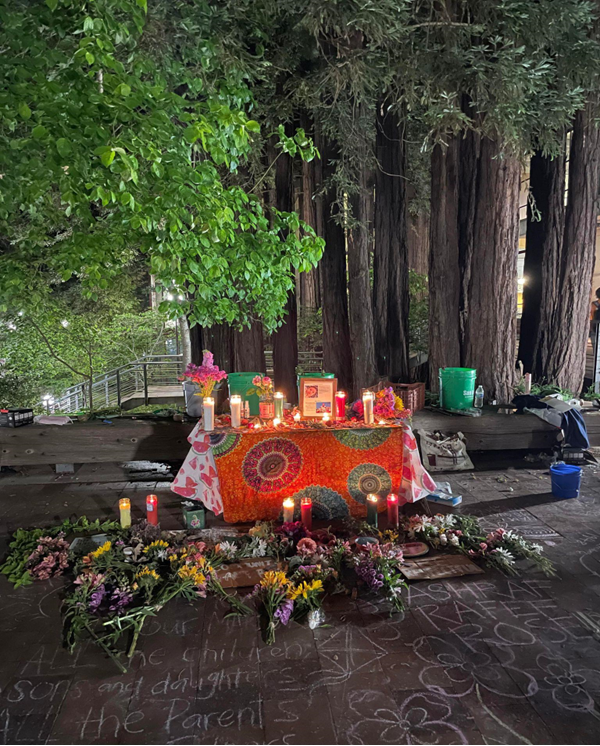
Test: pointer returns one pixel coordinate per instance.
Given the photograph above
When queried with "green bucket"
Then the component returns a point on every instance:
(457, 387)
(239, 383)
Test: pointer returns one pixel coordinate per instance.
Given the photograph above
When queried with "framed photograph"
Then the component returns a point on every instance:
(317, 397)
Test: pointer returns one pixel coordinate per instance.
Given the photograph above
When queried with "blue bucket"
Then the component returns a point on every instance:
(566, 480)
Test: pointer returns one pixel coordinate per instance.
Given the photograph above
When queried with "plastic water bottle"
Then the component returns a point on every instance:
(478, 402)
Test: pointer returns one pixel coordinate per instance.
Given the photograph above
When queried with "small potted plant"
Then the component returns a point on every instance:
(200, 381)
(263, 386)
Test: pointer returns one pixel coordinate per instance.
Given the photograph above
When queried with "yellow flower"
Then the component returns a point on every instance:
(188, 572)
(399, 403)
(147, 573)
(159, 544)
(304, 588)
(272, 579)
(101, 550)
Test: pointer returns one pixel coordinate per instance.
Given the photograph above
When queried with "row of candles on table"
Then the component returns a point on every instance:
(372, 510)
(151, 511)
(235, 402)
(288, 510)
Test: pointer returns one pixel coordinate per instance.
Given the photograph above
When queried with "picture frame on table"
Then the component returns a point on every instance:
(317, 397)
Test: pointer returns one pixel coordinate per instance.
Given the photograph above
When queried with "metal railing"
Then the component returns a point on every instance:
(136, 379)
(113, 388)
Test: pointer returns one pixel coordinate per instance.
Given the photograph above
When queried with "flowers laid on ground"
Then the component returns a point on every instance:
(205, 376)
(261, 385)
(126, 576)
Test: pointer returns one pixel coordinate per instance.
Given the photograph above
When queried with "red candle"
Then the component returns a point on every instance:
(392, 510)
(340, 405)
(152, 509)
(306, 512)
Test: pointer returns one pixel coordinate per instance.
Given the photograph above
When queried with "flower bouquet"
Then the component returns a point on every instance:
(273, 595)
(204, 376)
(263, 387)
(387, 406)
(378, 567)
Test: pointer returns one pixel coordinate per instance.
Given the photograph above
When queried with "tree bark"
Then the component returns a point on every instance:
(249, 349)
(444, 268)
(563, 353)
(186, 343)
(490, 293)
(309, 284)
(285, 338)
(219, 340)
(390, 256)
(542, 257)
(360, 304)
(337, 357)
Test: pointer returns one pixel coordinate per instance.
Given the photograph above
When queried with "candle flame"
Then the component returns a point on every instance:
(124, 503)
(276, 422)
(373, 498)
(297, 416)
(288, 502)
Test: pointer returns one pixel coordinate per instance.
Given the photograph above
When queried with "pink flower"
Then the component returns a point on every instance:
(483, 545)
(306, 546)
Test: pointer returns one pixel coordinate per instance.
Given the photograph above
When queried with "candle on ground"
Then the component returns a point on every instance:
(288, 510)
(372, 504)
(278, 398)
(392, 510)
(125, 512)
(306, 512)
(368, 398)
(152, 509)
(208, 413)
(297, 417)
(236, 410)
(340, 405)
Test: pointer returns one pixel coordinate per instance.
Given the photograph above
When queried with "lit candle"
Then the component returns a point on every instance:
(382, 422)
(392, 510)
(528, 383)
(288, 510)
(125, 512)
(236, 410)
(297, 417)
(208, 411)
(257, 426)
(326, 417)
(372, 502)
(306, 512)
(276, 422)
(152, 509)
(368, 398)
(340, 405)
(278, 398)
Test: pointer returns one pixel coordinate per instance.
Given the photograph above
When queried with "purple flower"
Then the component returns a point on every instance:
(119, 599)
(284, 611)
(367, 573)
(97, 597)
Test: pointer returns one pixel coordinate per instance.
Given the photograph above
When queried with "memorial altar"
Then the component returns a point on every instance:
(245, 474)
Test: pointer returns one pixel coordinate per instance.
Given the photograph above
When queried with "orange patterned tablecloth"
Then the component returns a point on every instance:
(336, 468)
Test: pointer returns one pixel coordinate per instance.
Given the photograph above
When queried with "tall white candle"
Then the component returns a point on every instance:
(288, 510)
(208, 411)
(236, 410)
(368, 398)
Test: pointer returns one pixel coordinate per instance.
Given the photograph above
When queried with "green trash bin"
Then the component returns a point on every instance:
(457, 388)
(239, 383)
(320, 374)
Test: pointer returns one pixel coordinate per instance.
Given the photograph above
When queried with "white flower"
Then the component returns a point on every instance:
(162, 554)
(228, 548)
(443, 539)
(454, 540)
(537, 548)
(505, 555)
(260, 548)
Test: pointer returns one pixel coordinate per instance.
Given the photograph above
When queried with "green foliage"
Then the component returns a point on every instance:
(310, 328)
(418, 315)
(116, 133)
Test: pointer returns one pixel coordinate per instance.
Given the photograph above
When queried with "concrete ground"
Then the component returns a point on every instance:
(481, 659)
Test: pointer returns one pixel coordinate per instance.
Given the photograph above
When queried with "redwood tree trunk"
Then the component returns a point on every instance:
(360, 304)
(309, 284)
(542, 258)
(563, 354)
(196, 344)
(219, 340)
(390, 256)
(249, 349)
(337, 357)
(490, 300)
(285, 338)
(444, 268)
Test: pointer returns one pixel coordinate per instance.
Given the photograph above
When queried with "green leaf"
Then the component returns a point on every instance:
(123, 89)
(39, 132)
(107, 157)
(90, 58)
(24, 111)
(252, 125)
(52, 4)
(63, 146)
(143, 4)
